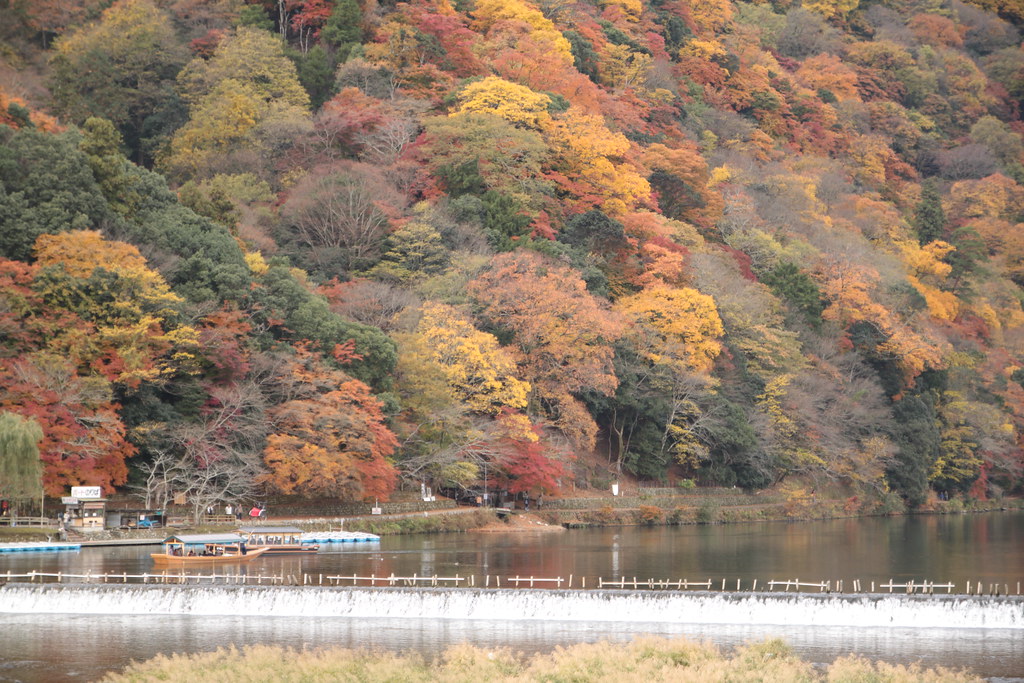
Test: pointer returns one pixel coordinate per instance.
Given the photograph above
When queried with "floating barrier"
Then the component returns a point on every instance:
(165, 577)
(38, 547)
(571, 582)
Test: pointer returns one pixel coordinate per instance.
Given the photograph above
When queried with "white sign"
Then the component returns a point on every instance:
(69, 500)
(86, 492)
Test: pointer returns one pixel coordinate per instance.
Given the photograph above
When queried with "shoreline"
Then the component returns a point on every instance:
(550, 520)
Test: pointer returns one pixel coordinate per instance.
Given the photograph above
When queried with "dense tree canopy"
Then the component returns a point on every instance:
(328, 248)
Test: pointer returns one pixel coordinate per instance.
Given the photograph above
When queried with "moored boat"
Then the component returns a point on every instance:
(205, 549)
(277, 540)
(339, 537)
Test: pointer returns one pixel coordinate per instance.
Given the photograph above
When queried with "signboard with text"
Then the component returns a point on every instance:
(86, 492)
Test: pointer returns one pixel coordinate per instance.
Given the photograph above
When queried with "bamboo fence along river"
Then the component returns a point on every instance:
(470, 581)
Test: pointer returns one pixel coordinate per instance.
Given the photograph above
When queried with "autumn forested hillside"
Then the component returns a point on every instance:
(321, 247)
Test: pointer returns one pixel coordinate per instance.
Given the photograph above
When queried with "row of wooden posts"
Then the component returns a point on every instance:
(909, 587)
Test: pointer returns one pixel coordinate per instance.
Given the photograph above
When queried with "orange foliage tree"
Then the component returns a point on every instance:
(850, 287)
(561, 334)
(330, 437)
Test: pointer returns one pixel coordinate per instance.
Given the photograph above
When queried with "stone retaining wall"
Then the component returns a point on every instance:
(359, 509)
(665, 502)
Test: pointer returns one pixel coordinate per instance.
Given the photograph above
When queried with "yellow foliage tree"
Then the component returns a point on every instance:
(958, 459)
(702, 49)
(134, 311)
(219, 123)
(246, 99)
(81, 252)
(831, 9)
(397, 46)
(252, 56)
(870, 153)
(711, 15)
(927, 271)
(684, 323)
(517, 104)
(785, 437)
(621, 67)
(593, 155)
(490, 12)
(476, 368)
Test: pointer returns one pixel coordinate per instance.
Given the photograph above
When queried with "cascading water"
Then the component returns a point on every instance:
(895, 611)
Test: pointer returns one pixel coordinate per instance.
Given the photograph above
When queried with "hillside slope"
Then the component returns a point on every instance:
(323, 247)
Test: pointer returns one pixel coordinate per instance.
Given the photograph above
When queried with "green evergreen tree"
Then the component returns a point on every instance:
(256, 17)
(344, 28)
(503, 220)
(316, 73)
(929, 218)
(584, 56)
(793, 285)
(916, 433)
(968, 258)
(46, 186)
(101, 144)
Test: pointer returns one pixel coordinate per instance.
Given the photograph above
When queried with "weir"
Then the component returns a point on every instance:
(895, 611)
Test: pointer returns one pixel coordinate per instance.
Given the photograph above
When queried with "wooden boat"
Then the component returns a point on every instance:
(277, 540)
(205, 549)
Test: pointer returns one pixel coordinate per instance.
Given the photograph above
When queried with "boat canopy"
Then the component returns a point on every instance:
(191, 539)
(270, 530)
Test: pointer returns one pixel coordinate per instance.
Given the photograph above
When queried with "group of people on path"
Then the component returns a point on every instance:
(258, 511)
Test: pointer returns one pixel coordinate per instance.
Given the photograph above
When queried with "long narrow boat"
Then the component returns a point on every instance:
(277, 540)
(205, 549)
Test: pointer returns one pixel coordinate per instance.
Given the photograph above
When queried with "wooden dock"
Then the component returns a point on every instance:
(112, 542)
(37, 547)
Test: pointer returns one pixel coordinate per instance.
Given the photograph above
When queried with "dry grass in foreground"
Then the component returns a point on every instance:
(645, 660)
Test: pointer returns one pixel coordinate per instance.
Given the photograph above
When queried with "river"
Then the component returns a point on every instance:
(79, 643)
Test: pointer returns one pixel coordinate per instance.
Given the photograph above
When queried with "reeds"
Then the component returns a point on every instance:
(644, 660)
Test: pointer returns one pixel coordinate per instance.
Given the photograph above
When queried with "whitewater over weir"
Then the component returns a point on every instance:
(888, 611)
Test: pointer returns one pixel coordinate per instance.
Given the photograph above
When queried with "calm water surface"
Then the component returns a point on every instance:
(987, 548)
(978, 547)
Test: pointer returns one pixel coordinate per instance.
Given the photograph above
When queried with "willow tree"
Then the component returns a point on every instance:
(21, 470)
